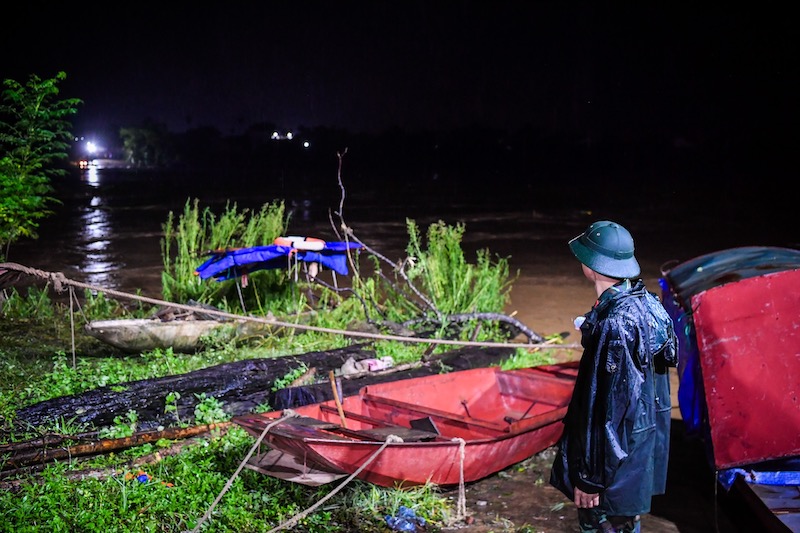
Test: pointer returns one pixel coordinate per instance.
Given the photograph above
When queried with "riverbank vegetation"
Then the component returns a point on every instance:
(192, 478)
(34, 141)
(169, 484)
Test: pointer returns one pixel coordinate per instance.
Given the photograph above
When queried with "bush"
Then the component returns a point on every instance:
(34, 135)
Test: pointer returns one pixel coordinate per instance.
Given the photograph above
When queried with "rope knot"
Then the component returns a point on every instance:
(393, 439)
(59, 280)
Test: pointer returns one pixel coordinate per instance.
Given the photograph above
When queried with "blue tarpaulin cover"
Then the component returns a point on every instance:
(231, 263)
(778, 472)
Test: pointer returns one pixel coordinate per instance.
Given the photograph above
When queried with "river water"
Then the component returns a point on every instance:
(108, 230)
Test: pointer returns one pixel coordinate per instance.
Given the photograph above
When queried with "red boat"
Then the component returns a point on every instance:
(450, 428)
(739, 312)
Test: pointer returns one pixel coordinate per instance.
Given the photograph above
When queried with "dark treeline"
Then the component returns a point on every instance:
(525, 166)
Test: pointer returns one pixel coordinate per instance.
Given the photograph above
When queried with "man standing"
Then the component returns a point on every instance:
(613, 455)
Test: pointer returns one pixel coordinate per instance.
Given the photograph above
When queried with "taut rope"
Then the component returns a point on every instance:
(286, 414)
(292, 521)
(59, 281)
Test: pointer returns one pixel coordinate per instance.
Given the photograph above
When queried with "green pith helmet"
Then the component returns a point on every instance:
(607, 248)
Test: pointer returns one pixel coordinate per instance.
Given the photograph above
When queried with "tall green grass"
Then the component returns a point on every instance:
(179, 488)
(453, 284)
(189, 238)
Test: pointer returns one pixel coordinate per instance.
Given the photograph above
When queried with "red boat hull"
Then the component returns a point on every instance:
(748, 334)
(477, 422)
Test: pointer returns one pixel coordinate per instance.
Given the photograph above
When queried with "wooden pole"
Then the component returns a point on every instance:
(336, 399)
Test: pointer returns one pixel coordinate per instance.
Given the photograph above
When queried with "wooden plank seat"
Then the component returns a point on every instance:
(382, 429)
(407, 434)
(444, 415)
(308, 421)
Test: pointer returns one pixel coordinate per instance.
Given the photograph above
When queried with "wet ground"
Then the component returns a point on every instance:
(521, 499)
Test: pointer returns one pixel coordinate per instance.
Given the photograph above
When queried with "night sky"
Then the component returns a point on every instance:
(686, 72)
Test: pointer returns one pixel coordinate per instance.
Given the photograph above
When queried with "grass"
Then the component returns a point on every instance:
(175, 493)
(177, 489)
(168, 487)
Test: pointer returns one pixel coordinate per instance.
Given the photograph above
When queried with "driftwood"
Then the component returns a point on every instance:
(23, 455)
(239, 386)
(13, 479)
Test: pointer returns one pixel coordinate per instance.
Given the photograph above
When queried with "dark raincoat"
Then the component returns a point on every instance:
(617, 427)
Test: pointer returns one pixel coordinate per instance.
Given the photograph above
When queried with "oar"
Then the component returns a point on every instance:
(336, 399)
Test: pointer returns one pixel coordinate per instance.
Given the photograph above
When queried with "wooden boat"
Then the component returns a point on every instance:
(136, 335)
(454, 427)
(739, 373)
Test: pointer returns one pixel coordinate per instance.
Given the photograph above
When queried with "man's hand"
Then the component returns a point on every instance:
(585, 500)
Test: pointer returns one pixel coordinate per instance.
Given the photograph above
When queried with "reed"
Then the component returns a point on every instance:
(189, 237)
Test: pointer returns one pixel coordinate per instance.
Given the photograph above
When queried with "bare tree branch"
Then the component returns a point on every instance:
(399, 269)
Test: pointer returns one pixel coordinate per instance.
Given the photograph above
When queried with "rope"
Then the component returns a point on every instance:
(239, 292)
(292, 521)
(59, 281)
(461, 506)
(72, 300)
(287, 414)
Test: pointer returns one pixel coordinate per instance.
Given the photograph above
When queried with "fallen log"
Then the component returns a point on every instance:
(47, 441)
(240, 387)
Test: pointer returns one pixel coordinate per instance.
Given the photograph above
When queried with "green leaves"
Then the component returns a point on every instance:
(34, 139)
(196, 231)
(123, 427)
(209, 410)
(454, 286)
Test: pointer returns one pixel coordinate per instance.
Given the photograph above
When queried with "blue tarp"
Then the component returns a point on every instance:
(691, 396)
(229, 264)
(777, 472)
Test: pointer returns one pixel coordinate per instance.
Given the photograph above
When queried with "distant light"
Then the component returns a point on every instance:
(306, 144)
(91, 147)
(289, 135)
(92, 176)
(276, 135)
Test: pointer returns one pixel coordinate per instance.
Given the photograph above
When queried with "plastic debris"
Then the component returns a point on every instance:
(351, 366)
(405, 520)
(143, 477)
(373, 365)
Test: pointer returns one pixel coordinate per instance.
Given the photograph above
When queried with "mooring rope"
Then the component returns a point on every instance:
(72, 300)
(59, 282)
(461, 506)
(292, 521)
(286, 414)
